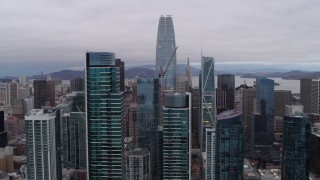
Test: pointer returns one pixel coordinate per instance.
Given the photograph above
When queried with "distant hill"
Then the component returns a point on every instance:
(147, 71)
(61, 75)
(139, 71)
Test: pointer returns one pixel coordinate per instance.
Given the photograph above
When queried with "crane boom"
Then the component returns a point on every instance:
(163, 73)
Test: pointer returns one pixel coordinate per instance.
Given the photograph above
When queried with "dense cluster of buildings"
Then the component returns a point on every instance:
(102, 126)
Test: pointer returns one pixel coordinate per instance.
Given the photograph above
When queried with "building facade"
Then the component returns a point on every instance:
(44, 93)
(176, 114)
(104, 117)
(74, 138)
(77, 84)
(295, 153)
(229, 145)
(148, 114)
(138, 165)
(208, 102)
(265, 104)
(166, 46)
(43, 144)
(226, 83)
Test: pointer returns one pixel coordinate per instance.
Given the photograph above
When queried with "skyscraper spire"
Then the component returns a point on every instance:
(188, 72)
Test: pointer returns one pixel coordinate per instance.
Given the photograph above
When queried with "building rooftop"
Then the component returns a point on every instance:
(229, 114)
(270, 174)
(41, 114)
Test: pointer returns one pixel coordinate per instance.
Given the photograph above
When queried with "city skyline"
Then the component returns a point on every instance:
(48, 36)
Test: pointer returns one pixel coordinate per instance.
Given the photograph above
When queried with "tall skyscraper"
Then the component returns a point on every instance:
(177, 136)
(265, 100)
(226, 83)
(248, 103)
(44, 92)
(104, 108)
(208, 102)
(166, 46)
(229, 145)
(74, 137)
(295, 153)
(43, 144)
(3, 133)
(309, 95)
(148, 112)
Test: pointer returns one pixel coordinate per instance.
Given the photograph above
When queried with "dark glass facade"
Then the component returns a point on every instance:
(226, 84)
(229, 145)
(265, 100)
(295, 152)
(148, 111)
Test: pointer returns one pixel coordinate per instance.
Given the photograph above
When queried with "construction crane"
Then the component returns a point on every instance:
(163, 73)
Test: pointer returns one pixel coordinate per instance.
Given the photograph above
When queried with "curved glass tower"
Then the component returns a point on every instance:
(166, 45)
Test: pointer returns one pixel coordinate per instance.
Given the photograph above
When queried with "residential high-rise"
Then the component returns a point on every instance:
(3, 133)
(309, 95)
(148, 112)
(176, 114)
(44, 93)
(229, 145)
(104, 109)
(43, 144)
(166, 46)
(120, 64)
(138, 164)
(226, 83)
(77, 84)
(295, 152)
(208, 102)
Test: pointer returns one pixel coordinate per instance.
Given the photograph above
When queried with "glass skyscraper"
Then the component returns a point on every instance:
(166, 45)
(148, 111)
(208, 102)
(265, 105)
(295, 153)
(104, 108)
(177, 136)
(229, 145)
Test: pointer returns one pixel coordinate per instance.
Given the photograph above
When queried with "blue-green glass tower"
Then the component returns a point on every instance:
(295, 152)
(176, 114)
(229, 145)
(148, 112)
(265, 100)
(166, 45)
(104, 108)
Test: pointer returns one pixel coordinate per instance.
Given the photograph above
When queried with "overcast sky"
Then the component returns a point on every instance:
(47, 35)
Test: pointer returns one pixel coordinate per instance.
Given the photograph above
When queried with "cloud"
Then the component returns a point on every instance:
(258, 31)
